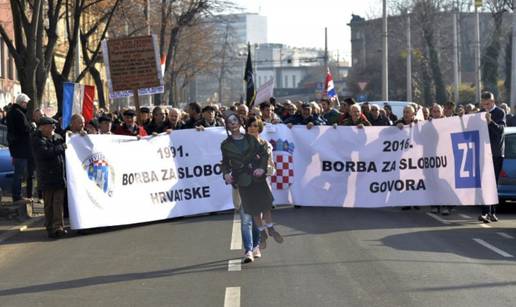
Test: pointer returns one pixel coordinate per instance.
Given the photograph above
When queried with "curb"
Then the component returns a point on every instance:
(13, 231)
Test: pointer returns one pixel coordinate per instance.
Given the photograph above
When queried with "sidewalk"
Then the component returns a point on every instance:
(12, 217)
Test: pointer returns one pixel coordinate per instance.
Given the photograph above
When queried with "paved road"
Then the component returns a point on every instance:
(331, 257)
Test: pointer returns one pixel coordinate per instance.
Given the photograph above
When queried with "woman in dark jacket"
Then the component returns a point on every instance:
(244, 164)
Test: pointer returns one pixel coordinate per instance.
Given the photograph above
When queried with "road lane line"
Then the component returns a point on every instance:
(445, 222)
(236, 237)
(493, 248)
(465, 216)
(232, 297)
(485, 225)
(505, 235)
(234, 265)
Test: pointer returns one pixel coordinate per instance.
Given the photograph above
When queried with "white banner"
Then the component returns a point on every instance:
(114, 180)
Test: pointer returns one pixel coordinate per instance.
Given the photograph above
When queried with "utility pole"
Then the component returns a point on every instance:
(326, 49)
(477, 51)
(385, 58)
(455, 59)
(513, 56)
(409, 60)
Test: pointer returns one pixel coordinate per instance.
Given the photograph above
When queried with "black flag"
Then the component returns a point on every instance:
(250, 94)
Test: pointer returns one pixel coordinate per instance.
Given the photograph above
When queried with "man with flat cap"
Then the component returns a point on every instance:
(49, 156)
(129, 126)
(209, 118)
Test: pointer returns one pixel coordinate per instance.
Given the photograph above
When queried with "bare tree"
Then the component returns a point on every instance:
(32, 47)
(99, 14)
(491, 55)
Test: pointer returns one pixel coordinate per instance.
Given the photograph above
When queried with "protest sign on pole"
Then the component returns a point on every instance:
(132, 63)
(265, 92)
(116, 180)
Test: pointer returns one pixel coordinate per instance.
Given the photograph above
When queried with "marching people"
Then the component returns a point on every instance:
(376, 118)
(305, 117)
(244, 165)
(329, 114)
(209, 118)
(390, 115)
(18, 138)
(129, 126)
(268, 114)
(174, 119)
(194, 115)
(49, 150)
(158, 124)
(409, 117)
(356, 118)
(495, 118)
(105, 123)
(77, 125)
(144, 116)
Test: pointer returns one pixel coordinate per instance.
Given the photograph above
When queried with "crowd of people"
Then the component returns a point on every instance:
(36, 142)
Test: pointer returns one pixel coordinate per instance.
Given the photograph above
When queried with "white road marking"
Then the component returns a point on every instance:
(505, 235)
(493, 248)
(232, 297)
(236, 237)
(438, 218)
(11, 232)
(234, 265)
(485, 225)
(465, 216)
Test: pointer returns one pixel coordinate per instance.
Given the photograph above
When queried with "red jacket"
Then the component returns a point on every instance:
(137, 130)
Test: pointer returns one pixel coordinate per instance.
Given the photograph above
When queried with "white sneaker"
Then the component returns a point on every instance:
(256, 252)
(248, 257)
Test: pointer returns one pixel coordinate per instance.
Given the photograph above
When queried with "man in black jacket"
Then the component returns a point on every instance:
(18, 136)
(49, 154)
(496, 123)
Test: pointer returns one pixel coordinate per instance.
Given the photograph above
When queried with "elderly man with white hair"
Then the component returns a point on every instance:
(18, 137)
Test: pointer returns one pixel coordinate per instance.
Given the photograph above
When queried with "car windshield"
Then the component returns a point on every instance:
(510, 146)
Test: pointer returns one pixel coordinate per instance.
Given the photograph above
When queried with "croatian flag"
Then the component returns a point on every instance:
(330, 88)
(77, 99)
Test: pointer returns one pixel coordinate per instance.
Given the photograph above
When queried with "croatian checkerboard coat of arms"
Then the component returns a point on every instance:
(282, 152)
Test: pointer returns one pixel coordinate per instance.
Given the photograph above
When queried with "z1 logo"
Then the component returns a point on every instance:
(466, 153)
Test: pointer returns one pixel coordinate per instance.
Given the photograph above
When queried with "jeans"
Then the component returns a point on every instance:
(250, 233)
(20, 172)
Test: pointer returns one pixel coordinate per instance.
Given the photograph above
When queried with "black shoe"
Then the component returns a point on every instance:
(483, 218)
(416, 208)
(405, 208)
(492, 217)
(275, 235)
(61, 233)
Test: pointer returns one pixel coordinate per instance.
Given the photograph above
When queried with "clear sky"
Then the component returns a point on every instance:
(301, 23)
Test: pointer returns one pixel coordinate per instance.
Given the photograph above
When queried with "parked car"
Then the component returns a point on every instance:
(6, 165)
(507, 180)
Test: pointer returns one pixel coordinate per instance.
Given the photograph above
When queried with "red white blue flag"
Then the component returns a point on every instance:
(77, 99)
(330, 87)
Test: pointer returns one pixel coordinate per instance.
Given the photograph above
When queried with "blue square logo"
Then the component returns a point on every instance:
(466, 155)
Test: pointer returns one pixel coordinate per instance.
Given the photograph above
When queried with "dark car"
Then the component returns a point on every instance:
(507, 181)
(6, 165)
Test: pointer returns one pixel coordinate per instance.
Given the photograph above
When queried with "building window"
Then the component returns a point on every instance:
(294, 85)
(286, 82)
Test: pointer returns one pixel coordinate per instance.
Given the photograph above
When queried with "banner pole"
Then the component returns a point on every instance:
(137, 105)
